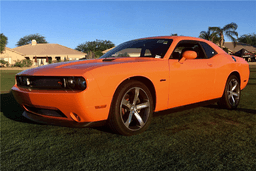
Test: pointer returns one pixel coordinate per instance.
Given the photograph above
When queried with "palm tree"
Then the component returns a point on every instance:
(249, 39)
(228, 30)
(209, 35)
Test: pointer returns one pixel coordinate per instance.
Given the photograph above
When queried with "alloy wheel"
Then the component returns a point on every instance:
(233, 92)
(135, 108)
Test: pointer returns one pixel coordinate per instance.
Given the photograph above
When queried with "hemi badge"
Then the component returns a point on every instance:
(162, 80)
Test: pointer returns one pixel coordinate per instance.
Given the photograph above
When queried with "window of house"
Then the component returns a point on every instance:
(57, 58)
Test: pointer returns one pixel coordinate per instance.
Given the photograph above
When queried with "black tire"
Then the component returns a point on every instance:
(231, 96)
(131, 109)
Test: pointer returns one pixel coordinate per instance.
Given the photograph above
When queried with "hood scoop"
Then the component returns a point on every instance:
(108, 59)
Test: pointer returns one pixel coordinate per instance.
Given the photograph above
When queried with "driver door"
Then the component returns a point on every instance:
(193, 80)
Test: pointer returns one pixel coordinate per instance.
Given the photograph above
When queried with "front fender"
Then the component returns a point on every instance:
(108, 78)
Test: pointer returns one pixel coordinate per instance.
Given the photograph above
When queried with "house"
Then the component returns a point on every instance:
(41, 53)
(105, 51)
(11, 55)
(239, 46)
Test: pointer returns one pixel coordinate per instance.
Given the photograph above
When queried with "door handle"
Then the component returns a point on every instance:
(209, 64)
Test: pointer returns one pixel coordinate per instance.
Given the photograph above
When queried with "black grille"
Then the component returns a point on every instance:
(46, 82)
(37, 82)
(48, 112)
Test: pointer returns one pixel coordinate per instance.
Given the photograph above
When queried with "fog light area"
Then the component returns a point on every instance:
(75, 117)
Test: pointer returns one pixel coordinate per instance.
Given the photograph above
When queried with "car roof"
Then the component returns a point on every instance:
(175, 38)
(179, 38)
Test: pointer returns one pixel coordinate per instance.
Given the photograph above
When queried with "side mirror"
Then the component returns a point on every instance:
(189, 54)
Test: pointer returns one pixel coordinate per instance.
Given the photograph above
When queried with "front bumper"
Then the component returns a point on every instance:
(53, 121)
(83, 104)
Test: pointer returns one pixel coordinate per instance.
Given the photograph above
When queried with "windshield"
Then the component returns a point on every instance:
(155, 48)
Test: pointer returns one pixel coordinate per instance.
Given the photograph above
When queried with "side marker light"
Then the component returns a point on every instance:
(100, 107)
(234, 58)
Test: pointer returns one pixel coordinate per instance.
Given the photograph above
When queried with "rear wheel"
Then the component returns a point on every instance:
(131, 109)
(231, 96)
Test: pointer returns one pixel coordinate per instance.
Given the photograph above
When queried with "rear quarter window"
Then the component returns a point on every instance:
(209, 51)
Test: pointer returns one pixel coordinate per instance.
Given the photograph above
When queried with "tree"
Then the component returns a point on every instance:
(28, 39)
(210, 35)
(95, 48)
(3, 42)
(229, 30)
(249, 39)
(175, 34)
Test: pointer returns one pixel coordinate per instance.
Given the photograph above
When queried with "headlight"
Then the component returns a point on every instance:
(76, 83)
(71, 82)
(21, 81)
(24, 81)
(18, 80)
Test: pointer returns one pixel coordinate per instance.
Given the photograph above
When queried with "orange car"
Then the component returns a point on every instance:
(127, 84)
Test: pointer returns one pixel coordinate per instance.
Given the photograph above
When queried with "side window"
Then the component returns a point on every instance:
(188, 45)
(198, 49)
(210, 52)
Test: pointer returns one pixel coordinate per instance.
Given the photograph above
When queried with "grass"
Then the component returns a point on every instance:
(203, 138)
(7, 79)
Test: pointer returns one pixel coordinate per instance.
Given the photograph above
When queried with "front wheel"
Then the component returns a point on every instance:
(131, 109)
(231, 96)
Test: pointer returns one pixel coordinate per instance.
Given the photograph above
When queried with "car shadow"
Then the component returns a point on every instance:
(186, 107)
(251, 111)
(11, 109)
(251, 83)
(104, 128)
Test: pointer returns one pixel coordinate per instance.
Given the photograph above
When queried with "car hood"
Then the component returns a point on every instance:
(76, 68)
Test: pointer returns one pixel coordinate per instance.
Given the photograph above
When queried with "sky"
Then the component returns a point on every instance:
(71, 23)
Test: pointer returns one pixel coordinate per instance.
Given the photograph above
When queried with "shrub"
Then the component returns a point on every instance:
(4, 63)
(18, 63)
(56, 61)
(27, 62)
(125, 54)
(23, 63)
(225, 49)
(50, 61)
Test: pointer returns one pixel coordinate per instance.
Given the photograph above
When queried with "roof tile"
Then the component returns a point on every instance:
(47, 49)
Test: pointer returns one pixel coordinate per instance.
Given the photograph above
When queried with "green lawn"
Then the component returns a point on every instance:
(203, 138)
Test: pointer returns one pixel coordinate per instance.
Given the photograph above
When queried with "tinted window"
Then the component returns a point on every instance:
(186, 45)
(210, 52)
(155, 48)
